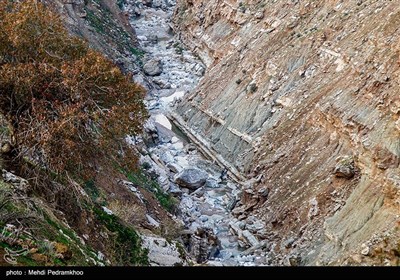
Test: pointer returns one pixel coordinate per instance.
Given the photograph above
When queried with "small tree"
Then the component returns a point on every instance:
(67, 105)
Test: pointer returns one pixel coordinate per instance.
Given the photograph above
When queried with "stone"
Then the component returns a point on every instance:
(191, 178)
(163, 253)
(255, 227)
(182, 161)
(214, 252)
(199, 192)
(385, 159)
(152, 221)
(141, 79)
(345, 168)
(215, 263)
(242, 217)
(263, 192)
(211, 183)
(200, 70)
(203, 244)
(294, 260)
(343, 171)
(147, 3)
(314, 209)
(137, 11)
(259, 15)
(164, 134)
(203, 218)
(174, 140)
(163, 181)
(262, 246)
(238, 210)
(260, 260)
(186, 203)
(178, 146)
(175, 190)
(100, 256)
(150, 126)
(289, 242)
(234, 226)
(250, 238)
(153, 67)
(142, 38)
(20, 184)
(242, 244)
(162, 84)
(232, 203)
(365, 250)
(131, 186)
(167, 157)
(173, 167)
(108, 211)
(152, 39)
(162, 120)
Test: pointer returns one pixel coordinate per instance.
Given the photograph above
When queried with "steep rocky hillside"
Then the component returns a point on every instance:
(300, 101)
(69, 219)
(105, 26)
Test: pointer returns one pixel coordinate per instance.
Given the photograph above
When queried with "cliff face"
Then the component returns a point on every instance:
(104, 26)
(301, 98)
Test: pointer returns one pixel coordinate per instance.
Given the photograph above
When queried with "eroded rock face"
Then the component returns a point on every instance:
(203, 245)
(326, 77)
(164, 253)
(117, 38)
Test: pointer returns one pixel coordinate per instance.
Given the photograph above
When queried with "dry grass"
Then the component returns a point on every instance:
(127, 211)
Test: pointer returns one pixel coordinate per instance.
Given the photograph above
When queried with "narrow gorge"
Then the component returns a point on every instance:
(206, 193)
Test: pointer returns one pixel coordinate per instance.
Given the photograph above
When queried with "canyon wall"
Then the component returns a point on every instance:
(301, 98)
(104, 26)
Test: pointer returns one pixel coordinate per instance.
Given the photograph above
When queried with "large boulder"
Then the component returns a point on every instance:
(191, 178)
(153, 67)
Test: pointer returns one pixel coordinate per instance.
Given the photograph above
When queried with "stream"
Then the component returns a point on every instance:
(171, 73)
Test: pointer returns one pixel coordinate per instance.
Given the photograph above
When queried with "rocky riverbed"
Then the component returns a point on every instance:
(207, 196)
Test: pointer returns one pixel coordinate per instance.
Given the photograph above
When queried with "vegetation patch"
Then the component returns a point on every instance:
(33, 237)
(101, 19)
(128, 243)
(92, 190)
(67, 105)
(143, 179)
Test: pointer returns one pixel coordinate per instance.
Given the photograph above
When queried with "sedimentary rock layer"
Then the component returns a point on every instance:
(296, 94)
